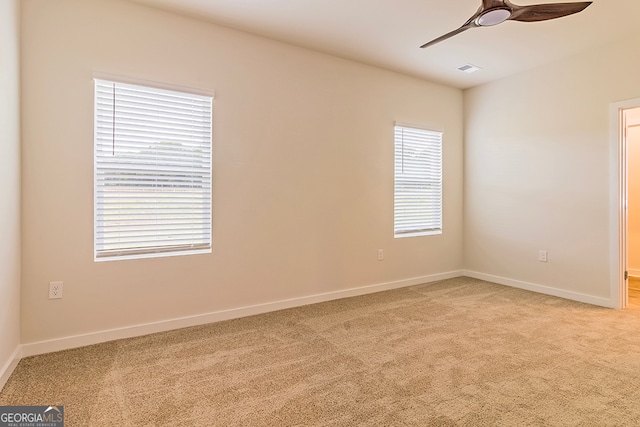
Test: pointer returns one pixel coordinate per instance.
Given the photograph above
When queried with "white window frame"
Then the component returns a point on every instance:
(417, 181)
(171, 213)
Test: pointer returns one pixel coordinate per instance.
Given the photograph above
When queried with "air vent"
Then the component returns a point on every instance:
(469, 68)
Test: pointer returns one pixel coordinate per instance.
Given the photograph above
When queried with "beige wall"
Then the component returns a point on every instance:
(303, 159)
(537, 170)
(633, 153)
(9, 179)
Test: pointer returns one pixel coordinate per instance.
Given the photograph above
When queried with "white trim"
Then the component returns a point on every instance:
(616, 235)
(422, 127)
(97, 75)
(634, 272)
(159, 254)
(547, 290)
(10, 366)
(418, 234)
(64, 343)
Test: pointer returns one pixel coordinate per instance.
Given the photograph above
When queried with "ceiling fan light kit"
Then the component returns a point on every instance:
(493, 17)
(494, 12)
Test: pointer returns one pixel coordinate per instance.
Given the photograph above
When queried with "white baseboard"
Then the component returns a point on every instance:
(41, 347)
(634, 273)
(65, 343)
(7, 369)
(575, 296)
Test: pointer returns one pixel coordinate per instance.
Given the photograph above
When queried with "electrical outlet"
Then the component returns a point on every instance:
(380, 254)
(543, 256)
(55, 290)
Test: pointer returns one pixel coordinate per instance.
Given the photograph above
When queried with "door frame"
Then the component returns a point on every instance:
(618, 195)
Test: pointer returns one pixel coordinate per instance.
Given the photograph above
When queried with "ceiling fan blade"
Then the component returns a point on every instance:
(492, 4)
(465, 27)
(544, 12)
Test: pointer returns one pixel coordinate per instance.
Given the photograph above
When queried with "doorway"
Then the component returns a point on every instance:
(632, 123)
(625, 206)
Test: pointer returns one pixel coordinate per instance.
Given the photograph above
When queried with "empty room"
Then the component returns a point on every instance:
(285, 212)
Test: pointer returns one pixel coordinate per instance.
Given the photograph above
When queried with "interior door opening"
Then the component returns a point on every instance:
(632, 137)
(625, 206)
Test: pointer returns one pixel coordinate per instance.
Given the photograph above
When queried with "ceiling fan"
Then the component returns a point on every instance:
(494, 12)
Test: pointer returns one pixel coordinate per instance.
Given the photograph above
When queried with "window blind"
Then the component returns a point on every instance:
(152, 171)
(418, 182)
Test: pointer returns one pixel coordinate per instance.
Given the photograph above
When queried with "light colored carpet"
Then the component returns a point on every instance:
(634, 293)
(458, 352)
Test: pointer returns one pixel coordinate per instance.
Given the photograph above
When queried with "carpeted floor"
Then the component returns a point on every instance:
(634, 292)
(458, 352)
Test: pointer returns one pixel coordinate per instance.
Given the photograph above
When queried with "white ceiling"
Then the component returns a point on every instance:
(388, 33)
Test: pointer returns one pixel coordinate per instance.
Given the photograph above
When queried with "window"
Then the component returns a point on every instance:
(152, 172)
(418, 182)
